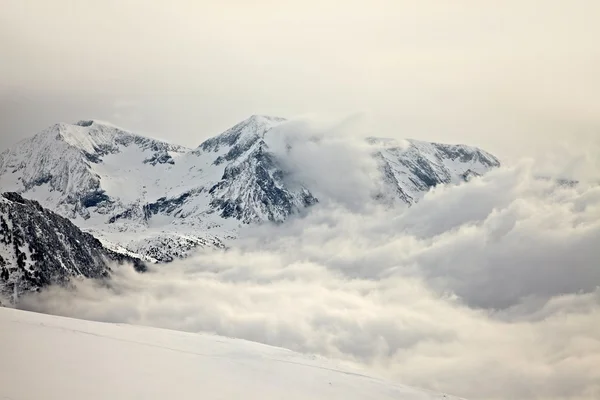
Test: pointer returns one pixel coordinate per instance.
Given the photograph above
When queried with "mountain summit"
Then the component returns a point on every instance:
(247, 131)
(159, 200)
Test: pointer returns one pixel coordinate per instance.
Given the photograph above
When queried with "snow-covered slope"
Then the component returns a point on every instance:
(158, 200)
(411, 168)
(49, 357)
(39, 247)
(71, 167)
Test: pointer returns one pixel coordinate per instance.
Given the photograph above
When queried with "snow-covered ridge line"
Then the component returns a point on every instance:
(160, 200)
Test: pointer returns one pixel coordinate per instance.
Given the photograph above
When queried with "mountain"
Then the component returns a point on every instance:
(51, 357)
(69, 161)
(251, 187)
(39, 247)
(411, 168)
(158, 200)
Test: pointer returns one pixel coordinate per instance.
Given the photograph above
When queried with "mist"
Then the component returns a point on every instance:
(488, 289)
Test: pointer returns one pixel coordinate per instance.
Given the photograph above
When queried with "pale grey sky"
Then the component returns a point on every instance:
(514, 76)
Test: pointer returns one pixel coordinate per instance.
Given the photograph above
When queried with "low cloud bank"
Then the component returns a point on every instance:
(487, 290)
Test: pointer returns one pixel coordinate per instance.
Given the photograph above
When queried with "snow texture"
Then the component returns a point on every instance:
(50, 357)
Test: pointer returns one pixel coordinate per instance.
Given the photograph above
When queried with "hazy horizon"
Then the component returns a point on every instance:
(516, 78)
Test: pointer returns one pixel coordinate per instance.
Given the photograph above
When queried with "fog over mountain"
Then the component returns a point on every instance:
(497, 274)
(158, 201)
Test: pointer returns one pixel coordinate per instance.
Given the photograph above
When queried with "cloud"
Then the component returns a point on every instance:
(487, 289)
(330, 157)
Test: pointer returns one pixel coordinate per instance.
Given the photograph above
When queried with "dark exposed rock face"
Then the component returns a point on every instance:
(94, 198)
(265, 197)
(252, 187)
(170, 206)
(39, 247)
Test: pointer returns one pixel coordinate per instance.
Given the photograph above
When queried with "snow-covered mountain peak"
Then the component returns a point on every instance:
(257, 125)
(69, 167)
(456, 152)
(97, 137)
(249, 184)
(158, 200)
(411, 167)
(243, 134)
(436, 151)
(87, 135)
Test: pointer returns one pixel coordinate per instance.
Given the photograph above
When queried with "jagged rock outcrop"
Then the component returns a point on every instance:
(39, 247)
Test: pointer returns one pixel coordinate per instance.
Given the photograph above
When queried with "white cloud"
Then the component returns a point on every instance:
(330, 157)
(485, 290)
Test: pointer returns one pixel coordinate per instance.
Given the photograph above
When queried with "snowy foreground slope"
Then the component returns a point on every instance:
(156, 200)
(49, 357)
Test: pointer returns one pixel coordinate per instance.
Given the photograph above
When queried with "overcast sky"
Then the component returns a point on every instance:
(513, 76)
